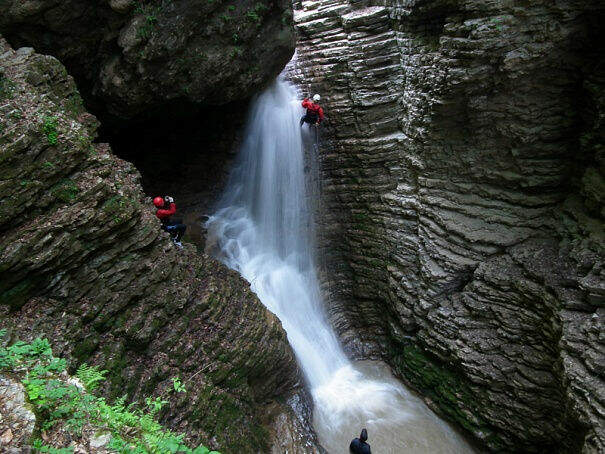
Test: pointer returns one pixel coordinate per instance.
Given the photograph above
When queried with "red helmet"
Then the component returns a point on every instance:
(158, 201)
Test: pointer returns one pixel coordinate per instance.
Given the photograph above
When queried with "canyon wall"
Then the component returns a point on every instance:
(462, 174)
(84, 263)
(132, 56)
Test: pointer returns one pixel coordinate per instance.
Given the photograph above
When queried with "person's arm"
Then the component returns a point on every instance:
(321, 115)
(169, 212)
(306, 103)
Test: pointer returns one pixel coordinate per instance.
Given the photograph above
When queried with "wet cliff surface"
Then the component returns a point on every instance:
(169, 80)
(462, 174)
(130, 56)
(84, 263)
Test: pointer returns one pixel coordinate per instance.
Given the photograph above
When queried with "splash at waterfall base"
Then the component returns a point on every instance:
(264, 228)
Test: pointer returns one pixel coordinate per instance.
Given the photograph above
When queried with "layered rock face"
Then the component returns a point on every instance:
(84, 263)
(130, 56)
(462, 170)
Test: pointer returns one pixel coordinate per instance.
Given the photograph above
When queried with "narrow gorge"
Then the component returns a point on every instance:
(428, 264)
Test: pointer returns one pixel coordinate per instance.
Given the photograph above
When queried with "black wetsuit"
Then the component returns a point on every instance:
(359, 447)
(310, 117)
(174, 227)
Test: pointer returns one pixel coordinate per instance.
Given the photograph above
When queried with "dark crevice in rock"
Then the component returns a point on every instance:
(183, 150)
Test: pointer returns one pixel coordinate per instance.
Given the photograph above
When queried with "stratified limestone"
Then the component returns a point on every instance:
(130, 56)
(462, 169)
(83, 262)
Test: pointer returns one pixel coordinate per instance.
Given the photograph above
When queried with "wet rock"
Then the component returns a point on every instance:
(291, 432)
(83, 262)
(462, 233)
(131, 57)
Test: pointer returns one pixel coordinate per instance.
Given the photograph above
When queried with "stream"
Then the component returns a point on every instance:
(263, 228)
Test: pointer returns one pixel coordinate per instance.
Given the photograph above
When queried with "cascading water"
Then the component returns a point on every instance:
(263, 228)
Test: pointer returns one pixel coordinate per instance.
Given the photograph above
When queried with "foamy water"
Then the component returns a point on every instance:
(263, 228)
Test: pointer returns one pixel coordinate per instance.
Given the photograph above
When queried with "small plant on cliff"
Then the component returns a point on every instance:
(178, 385)
(255, 13)
(150, 20)
(90, 376)
(66, 190)
(49, 127)
(7, 87)
(63, 405)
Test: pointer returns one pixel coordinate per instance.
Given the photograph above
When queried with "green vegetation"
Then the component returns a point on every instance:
(66, 190)
(75, 105)
(256, 12)
(118, 207)
(236, 51)
(7, 87)
(60, 403)
(445, 387)
(49, 127)
(150, 20)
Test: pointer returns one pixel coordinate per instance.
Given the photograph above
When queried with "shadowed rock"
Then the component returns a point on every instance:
(84, 263)
(129, 56)
(461, 228)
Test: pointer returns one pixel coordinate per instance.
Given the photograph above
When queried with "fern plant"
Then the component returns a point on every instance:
(90, 376)
(132, 429)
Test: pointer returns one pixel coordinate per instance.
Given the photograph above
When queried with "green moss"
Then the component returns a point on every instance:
(66, 191)
(118, 207)
(7, 87)
(150, 19)
(83, 349)
(116, 363)
(49, 128)
(445, 387)
(256, 12)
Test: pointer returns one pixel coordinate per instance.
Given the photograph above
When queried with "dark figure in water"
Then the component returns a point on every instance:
(359, 445)
(165, 209)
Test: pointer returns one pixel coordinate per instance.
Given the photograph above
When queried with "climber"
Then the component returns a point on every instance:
(359, 445)
(315, 114)
(166, 208)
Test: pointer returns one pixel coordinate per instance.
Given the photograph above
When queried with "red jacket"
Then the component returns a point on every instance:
(164, 214)
(310, 105)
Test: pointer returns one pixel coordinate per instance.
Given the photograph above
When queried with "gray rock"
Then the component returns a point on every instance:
(462, 217)
(132, 57)
(99, 441)
(17, 421)
(84, 263)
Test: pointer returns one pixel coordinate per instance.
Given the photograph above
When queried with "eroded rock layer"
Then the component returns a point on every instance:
(130, 56)
(462, 170)
(84, 263)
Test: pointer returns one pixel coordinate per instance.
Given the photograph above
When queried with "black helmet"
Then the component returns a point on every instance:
(364, 435)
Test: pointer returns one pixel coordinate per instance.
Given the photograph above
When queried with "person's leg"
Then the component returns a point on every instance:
(180, 231)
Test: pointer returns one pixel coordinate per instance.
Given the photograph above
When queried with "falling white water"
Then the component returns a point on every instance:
(263, 229)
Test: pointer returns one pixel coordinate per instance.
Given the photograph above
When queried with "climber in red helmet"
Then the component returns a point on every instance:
(315, 114)
(166, 208)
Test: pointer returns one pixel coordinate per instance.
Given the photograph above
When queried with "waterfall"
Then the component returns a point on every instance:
(263, 228)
